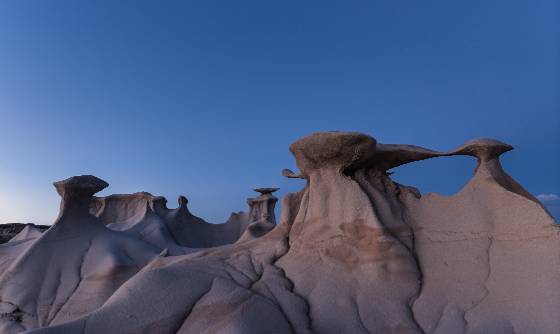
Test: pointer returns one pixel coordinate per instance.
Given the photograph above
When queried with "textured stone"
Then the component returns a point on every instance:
(353, 252)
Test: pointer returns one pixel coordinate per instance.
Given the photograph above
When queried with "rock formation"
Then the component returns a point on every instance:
(353, 252)
(72, 268)
(147, 218)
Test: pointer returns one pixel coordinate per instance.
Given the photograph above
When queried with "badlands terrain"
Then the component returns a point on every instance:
(352, 252)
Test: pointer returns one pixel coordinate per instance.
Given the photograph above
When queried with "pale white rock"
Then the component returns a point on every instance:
(72, 268)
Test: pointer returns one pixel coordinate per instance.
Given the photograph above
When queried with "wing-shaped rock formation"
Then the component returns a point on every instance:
(354, 252)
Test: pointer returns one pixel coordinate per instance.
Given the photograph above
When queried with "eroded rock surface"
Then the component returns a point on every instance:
(147, 218)
(72, 268)
(353, 252)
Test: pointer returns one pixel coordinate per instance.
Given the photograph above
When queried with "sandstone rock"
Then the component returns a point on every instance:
(354, 252)
(72, 268)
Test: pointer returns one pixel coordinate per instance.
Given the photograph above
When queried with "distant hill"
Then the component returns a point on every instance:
(8, 231)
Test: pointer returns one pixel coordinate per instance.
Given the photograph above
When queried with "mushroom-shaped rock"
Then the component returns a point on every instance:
(261, 208)
(264, 191)
(483, 149)
(487, 152)
(77, 193)
(338, 237)
(72, 268)
(341, 150)
(83, 186)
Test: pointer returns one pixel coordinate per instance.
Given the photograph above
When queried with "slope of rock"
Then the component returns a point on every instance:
(72, 268)
(490, 254)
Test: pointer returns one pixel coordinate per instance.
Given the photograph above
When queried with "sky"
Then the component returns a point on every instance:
(203, 98)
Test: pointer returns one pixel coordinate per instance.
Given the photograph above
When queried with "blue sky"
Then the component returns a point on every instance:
(203, 98)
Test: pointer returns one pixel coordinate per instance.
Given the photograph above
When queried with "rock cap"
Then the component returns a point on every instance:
(265, 191)
(484, 148)
(343, 150)
(82, 186)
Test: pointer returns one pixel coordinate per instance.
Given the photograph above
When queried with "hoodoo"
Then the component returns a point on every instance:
(353, 252)
(72, 268)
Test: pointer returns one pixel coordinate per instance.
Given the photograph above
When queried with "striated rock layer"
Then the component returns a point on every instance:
(353, 252)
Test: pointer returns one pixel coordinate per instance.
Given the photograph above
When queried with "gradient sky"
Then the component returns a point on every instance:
(203, 98)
